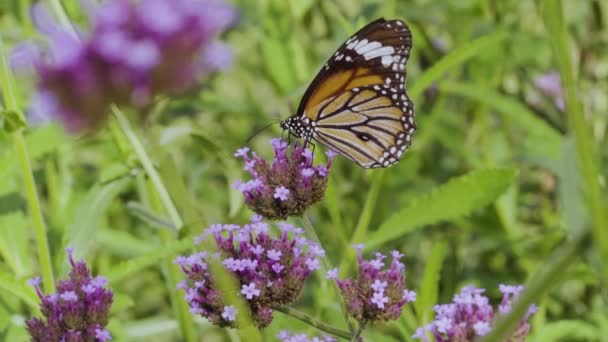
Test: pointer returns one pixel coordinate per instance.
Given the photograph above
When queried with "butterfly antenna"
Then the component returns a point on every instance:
(260, 131)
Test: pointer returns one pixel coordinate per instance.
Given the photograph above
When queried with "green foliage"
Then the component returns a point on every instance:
(451, 201)
(499, 186)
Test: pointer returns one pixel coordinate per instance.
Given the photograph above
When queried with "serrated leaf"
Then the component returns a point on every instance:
(429, 289)
(457, 198)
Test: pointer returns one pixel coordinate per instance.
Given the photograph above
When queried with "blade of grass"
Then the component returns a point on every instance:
(429, 289)
(7, 87)
(454, 59)
(511, 110)
(583, 135)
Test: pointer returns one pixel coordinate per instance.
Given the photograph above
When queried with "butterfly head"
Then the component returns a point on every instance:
(299, 127)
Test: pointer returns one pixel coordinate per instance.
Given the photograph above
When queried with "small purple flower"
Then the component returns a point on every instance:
(131, 55)
(313, 264)
(471, 315)
(332, 274)
(285, 336)
(229, 313)
(376, 294)
(285, 187)
(379, 286)
(273, 254)
(79, 310)
(281, 193)
(549, 84)
(379, 299)
(249, 291)
(270, 270)
(409, 296)
(102, 335)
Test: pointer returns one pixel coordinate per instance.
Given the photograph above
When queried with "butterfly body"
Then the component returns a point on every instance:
(357, 105)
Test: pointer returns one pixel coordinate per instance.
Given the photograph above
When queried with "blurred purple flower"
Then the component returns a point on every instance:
(135, 51)
(285, 336)
(271, 271)
(376, 295)
(549, 84)
(288, 185)
(77, 312)
(471, 315)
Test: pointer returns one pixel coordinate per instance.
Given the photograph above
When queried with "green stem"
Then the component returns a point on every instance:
(583, 135)
(62, 16)
(149, 168)
(7, 85)
(364, 219)
(313, 322)
(180, 307)
(356, 335)
(162, 196)
(310, 231)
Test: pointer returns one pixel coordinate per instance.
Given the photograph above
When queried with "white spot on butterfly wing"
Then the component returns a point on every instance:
(367, 47)
(383, 51)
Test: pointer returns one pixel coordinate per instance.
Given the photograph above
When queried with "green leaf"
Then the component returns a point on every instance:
(121, 302)
(566, 330)
(89, 214)
(457, 198)
(277, 64)
(12, 120)
(19, 289)
(14, 237)
(299, 8)
(429, 289)
(152, 258)
(458, 56)
(540, 137)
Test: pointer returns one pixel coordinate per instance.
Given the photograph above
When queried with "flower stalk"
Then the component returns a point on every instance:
(44, 258)
(313, 322)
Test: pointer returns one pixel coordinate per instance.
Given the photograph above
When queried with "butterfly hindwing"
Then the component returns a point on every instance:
(358, 104)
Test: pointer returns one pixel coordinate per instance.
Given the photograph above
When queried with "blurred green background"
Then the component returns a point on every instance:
(472, 78)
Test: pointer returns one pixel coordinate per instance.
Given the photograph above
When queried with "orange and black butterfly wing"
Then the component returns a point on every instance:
(358, 102)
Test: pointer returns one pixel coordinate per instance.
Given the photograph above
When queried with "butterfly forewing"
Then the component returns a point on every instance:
(358, 103)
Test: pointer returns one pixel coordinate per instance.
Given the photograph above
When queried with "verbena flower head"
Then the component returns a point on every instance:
(471, 315)
(286, 336)
(379, 292)
(270, 270)
(77, 312)
(135, 51)
(549, 84)
(288, 185)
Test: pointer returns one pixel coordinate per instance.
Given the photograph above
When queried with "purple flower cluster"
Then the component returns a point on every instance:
(549, 84)
(271, 271)
(135, 51)
(77, 312)
(285, 336)
(377, 294)
(471, 315)
(286, 187)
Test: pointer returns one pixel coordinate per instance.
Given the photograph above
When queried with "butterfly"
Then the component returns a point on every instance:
(357, 105)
